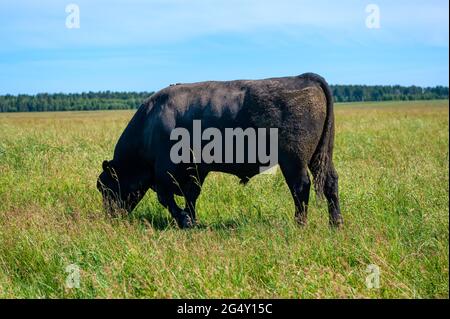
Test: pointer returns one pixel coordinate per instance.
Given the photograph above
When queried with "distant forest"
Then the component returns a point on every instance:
(131, 100)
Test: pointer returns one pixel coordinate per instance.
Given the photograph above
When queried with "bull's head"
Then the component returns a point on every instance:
(120, 193)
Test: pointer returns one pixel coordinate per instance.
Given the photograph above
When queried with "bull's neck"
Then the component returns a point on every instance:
(128, 148)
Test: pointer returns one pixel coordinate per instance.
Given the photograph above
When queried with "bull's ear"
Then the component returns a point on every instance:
(105, 165)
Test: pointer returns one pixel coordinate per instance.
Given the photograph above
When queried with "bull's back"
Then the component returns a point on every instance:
(294, 105)
(227, 99)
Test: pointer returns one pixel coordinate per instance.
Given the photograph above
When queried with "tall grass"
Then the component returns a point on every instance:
(392, 159)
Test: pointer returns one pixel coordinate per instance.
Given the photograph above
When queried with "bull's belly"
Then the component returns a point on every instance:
(243, 171)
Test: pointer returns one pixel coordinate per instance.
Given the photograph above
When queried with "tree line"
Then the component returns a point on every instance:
(361, 93)
(43, 102)
(131, 100)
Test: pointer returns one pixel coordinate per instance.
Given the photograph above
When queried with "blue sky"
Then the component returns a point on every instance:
(137, 45)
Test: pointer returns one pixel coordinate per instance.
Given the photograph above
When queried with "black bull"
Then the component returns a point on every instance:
(300, 107)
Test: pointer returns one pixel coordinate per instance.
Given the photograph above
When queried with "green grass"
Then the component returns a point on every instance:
(393, 164)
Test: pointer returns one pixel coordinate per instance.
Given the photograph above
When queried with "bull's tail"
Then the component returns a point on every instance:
(322, 157)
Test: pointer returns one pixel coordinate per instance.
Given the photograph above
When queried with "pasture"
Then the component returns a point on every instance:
(392, 159)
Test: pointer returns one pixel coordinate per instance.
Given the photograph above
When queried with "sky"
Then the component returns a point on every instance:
(137, 45)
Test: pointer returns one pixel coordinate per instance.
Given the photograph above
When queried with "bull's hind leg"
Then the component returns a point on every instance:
(332, 196)
(299, 184)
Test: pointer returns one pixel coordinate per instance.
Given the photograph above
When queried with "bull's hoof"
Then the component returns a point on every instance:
(116, 213)
(185, 221)
(301, 220)
(337, 222)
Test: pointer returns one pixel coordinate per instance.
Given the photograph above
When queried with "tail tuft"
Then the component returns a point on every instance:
(319, 169)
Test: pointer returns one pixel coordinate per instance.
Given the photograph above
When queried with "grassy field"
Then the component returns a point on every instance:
(393, 164)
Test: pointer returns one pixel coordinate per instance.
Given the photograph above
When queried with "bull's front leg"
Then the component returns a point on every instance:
(182, 218)
(191, 191)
